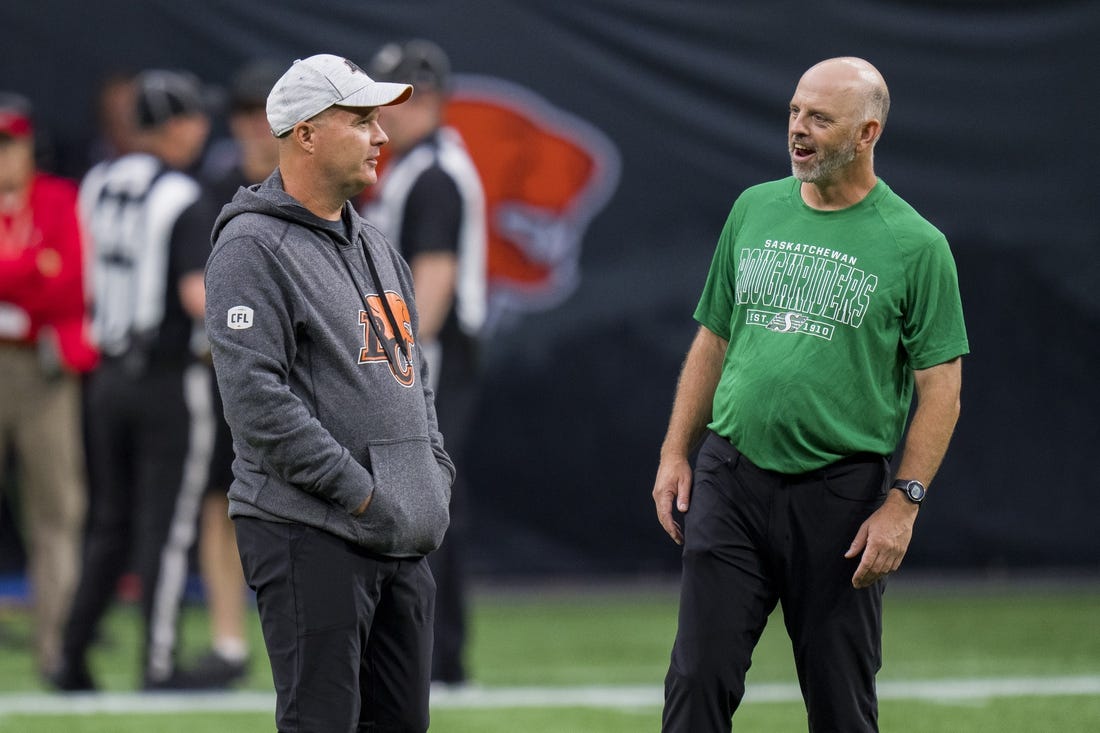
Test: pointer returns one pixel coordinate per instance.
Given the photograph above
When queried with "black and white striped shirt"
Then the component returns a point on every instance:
(147, 227)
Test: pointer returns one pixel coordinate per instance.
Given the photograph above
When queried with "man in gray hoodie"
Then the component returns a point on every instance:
(341, 483)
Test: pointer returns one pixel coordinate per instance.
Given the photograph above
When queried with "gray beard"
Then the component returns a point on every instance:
(827, 164)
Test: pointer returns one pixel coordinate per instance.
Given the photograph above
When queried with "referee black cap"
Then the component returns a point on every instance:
(251, 84)
(163, 95)
(419, 62)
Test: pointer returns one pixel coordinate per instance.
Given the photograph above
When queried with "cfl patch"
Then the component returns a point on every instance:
(240, 316)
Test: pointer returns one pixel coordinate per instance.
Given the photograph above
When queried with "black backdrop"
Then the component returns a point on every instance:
(990, 136)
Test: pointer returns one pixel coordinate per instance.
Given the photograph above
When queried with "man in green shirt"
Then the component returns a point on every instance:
(828, 300)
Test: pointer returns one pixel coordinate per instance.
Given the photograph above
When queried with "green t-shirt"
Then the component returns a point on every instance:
(827, 314)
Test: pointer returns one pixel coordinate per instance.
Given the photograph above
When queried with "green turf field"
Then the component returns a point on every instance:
(958, 657)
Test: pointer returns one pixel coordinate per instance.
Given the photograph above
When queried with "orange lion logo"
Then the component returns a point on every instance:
(546, 174)
(386, 348)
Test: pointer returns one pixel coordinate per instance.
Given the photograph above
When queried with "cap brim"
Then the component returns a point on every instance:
(378, 94)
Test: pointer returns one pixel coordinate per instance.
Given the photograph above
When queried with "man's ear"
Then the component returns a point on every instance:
(869, 133)
(303, 134)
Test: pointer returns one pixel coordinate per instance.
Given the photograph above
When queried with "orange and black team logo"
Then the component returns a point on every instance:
(545, 174)
(386, 349)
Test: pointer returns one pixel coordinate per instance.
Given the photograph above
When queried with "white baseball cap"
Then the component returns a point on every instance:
(312, 85)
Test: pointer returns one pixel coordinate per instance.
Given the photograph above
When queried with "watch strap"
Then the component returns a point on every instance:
(914, 490)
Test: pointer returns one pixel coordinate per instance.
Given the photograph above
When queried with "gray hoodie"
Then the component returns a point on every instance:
(324, 406)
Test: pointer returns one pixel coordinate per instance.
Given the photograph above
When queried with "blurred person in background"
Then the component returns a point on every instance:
(117, 127)
(150, 422)
(43, 350)
(253, 155)
(430, 205)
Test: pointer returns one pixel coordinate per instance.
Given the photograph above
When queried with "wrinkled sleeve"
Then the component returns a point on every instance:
(434, 434)
(933, 330)
(716, 304)
(252, 323)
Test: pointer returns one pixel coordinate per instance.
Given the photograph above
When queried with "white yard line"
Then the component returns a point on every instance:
(612, 696)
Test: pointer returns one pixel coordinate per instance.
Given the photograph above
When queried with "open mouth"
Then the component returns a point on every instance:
(801, 152)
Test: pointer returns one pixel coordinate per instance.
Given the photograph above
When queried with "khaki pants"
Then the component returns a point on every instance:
(40, 423)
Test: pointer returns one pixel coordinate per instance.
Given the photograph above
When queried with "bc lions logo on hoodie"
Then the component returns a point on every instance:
(380, 342)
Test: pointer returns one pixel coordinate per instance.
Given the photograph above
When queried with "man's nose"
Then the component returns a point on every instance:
(797, 124)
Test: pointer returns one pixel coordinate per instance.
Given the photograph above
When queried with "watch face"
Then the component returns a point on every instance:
(914, 490)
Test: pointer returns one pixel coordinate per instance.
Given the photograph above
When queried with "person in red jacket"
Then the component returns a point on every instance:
(43, 350)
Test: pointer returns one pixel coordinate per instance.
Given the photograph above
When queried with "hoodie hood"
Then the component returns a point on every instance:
(271, 199)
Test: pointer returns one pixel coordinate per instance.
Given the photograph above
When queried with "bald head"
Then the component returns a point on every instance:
(854, 80)
(836, 117)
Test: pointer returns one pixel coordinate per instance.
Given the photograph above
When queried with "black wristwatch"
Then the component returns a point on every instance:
(914, 490)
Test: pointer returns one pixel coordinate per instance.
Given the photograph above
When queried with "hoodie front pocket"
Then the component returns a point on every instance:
(408, 514)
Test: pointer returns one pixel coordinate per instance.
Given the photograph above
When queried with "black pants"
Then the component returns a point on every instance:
(149, 442)
(349, 633)
(754, 538)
